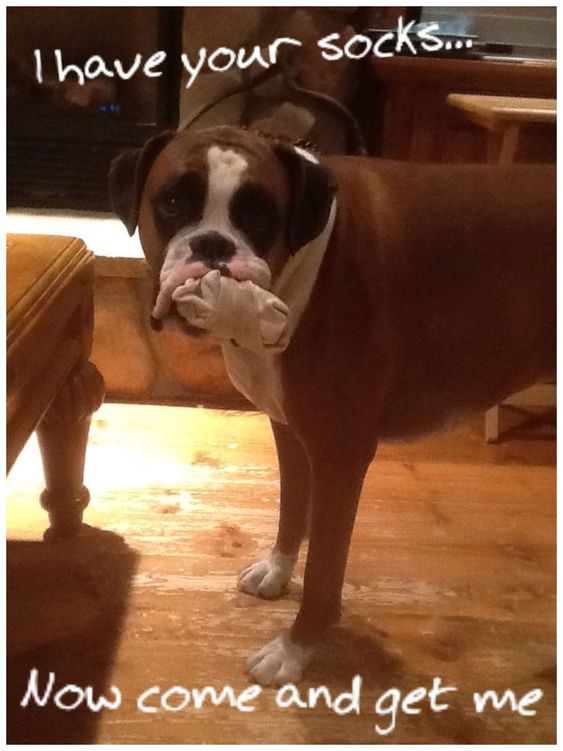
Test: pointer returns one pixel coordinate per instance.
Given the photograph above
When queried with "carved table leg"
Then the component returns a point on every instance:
(63, 435)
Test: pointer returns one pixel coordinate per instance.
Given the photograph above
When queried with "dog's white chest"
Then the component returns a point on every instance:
(258, 376)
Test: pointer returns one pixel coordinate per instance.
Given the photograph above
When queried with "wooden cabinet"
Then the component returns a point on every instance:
(413, 120)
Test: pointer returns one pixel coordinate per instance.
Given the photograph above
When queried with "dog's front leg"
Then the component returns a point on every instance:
(336, 481)
(269, 577)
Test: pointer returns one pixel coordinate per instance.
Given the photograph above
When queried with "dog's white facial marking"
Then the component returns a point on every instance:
(281, 661)
(226, 173)
(178, 249)
(269, 577)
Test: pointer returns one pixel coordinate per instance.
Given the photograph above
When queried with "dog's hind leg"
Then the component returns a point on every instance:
(270, 576)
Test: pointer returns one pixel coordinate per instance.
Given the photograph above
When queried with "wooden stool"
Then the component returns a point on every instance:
(52, 388)
(504, 118)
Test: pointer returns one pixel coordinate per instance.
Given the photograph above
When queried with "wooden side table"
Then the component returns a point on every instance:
(504, 118)
(52, 388)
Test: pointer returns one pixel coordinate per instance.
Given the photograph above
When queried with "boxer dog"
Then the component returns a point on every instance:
(419, 294)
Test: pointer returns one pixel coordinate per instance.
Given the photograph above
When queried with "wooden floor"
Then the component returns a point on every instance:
(451, 575)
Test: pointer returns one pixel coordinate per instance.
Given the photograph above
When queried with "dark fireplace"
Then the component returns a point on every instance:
(62, 135)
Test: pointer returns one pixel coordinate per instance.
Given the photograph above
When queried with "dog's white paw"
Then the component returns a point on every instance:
(280, 661)
(269, 577)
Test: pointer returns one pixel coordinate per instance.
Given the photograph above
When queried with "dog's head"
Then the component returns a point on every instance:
(222, 198)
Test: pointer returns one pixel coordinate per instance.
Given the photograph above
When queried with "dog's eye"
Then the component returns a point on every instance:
(182, 200)
(170, 206)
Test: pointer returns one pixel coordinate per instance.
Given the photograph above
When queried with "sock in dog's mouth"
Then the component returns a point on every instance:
(174, 317)
(176, 275)
(231, 310)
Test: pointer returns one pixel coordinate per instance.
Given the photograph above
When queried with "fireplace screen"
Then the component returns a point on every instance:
(77, 93)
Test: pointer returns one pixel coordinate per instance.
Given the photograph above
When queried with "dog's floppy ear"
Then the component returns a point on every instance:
(311, 194)
(127, 176)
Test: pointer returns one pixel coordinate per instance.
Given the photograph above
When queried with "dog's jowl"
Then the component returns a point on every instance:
(417, 295)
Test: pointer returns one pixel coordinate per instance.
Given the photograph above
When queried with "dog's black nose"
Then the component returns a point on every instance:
(212, 246)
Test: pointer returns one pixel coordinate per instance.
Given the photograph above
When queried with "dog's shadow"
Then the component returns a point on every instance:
(355, 648)
(352, 649)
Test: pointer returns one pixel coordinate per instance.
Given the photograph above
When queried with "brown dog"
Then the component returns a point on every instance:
(419, 294)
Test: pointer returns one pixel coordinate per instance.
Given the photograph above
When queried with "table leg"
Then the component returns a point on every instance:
(502, 146)
(63, 435)
(492, 424)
